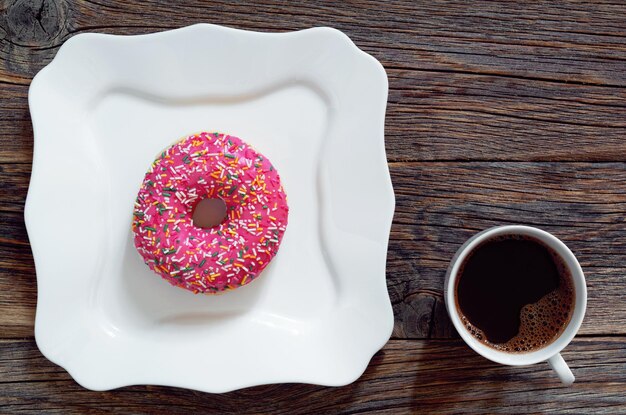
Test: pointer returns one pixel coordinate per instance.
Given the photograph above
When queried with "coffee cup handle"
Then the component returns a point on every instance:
(563, 371)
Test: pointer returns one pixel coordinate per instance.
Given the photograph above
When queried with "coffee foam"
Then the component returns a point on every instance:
(540, 323)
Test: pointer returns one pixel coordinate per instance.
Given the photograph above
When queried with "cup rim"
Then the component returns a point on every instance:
(523, 358)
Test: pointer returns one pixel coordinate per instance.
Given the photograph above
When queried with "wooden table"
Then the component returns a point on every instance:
(498, 114)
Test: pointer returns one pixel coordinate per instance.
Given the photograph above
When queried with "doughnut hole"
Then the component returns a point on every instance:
(209, 212)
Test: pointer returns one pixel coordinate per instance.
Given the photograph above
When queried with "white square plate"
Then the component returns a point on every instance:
(314, 104)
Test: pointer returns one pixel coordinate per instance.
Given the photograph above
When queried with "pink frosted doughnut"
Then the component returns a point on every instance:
(228, 255)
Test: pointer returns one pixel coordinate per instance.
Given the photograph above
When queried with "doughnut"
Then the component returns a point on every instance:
(231, 254)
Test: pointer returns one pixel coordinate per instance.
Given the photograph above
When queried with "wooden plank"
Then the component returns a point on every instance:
(434, 116)
(406, 377)
(16, 130)
(521, 88)
(17, 269)
(562, 41)
(14, 179)
(497, 81)
(439, 206)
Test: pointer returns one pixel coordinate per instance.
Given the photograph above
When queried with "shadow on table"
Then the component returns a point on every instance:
(429, 376)
(450, 377)
(296, 398)
(422, 376)
(447, 374)
(411, 376)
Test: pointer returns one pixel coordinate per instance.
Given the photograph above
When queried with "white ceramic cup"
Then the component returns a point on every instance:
(549, 353)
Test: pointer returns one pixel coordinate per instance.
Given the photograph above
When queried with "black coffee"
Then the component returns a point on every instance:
(514, 293)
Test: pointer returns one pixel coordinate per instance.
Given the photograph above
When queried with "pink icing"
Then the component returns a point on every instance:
(226, 256)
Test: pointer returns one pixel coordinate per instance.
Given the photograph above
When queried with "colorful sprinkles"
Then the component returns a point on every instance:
(224, 257)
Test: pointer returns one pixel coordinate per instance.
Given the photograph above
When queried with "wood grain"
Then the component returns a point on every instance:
(466, 83)
(561, 41)
(434, 116)
(499, 112)
(441, 376)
